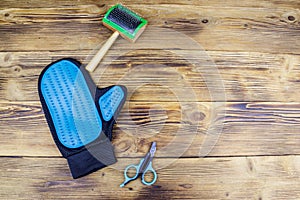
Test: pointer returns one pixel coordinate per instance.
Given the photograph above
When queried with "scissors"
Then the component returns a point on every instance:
(142, 168)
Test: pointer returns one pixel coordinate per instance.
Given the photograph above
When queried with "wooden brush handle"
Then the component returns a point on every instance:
(100, 54)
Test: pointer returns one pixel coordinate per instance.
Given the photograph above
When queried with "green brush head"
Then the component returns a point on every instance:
(129, 24)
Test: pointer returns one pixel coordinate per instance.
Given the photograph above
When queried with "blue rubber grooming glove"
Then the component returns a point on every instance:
(80, 115)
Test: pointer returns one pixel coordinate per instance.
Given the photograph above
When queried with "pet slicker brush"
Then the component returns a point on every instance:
(123, 22)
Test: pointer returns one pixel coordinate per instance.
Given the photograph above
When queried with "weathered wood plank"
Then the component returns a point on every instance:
(256, 47)
(245, 76)
(261, 128)
(272, 29)
(215, 3)
(194, 178)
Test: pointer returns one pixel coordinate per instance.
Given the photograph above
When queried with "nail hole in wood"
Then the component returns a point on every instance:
(204, 21)
(6, 15)
(291, 18)
(17, 68)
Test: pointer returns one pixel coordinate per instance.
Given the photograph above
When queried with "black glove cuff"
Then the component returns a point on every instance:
(92, 159)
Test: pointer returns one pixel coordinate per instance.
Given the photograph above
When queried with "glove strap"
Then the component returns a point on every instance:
(92, 158)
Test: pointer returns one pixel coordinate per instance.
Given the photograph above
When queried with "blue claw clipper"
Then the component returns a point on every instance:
(142, 168)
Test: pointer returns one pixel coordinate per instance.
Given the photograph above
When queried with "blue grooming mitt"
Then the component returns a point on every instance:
(80, 115)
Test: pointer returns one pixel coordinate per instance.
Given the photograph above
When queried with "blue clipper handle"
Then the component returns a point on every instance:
(127, 178)
(154, 175)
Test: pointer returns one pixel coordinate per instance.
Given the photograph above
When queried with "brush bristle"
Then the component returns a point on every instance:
(129, 24)
(124, 19)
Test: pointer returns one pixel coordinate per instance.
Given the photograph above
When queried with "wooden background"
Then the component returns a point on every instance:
(256, 47)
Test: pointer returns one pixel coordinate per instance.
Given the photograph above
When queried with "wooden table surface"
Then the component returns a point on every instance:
(250, 88)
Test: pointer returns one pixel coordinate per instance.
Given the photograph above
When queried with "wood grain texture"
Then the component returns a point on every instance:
(215, 28)
(230, 3)
(265, 128)
(270, 4)
(243, 75)
(208, 178)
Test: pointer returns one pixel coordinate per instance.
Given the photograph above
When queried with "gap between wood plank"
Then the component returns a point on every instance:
(215, 50)
(183, 157)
